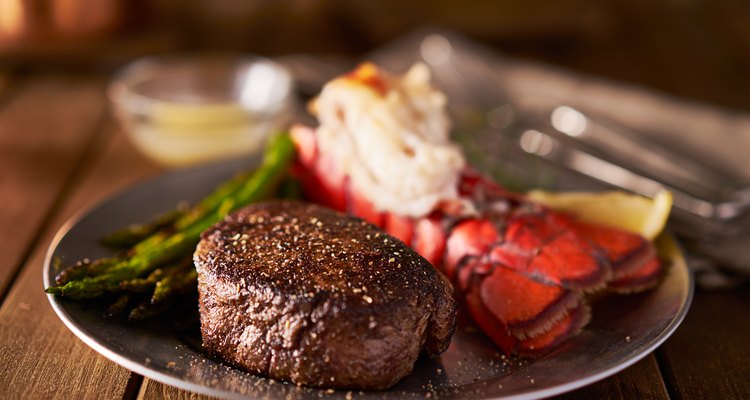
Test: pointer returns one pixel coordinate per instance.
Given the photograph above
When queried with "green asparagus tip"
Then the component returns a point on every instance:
(54, 290)
(76, 290)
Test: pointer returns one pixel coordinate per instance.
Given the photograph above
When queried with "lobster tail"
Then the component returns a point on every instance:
(520, 268)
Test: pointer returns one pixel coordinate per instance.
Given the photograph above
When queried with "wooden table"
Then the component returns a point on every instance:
(60, 152)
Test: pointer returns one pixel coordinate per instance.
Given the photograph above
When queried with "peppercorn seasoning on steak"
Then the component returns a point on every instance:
(298, 292)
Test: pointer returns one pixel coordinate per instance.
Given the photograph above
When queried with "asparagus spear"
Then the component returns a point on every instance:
(179, 218)
(84, 268)
(160, 288)
(211, 202)
(118, 307)
(143, 285)
(181, 280)
(165, 284)
(160, 249)
(133, 234)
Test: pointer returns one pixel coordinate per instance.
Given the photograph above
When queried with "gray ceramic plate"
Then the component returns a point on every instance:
(624, 329)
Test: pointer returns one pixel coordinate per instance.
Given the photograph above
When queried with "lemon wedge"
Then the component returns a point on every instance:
(634, 213)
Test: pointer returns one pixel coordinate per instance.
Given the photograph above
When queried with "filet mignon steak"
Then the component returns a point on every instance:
(298, 292)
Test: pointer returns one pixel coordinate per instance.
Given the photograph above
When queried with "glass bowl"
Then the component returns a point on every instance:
(189, 108)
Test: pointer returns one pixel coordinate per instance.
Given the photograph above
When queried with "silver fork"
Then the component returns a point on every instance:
(570, 138)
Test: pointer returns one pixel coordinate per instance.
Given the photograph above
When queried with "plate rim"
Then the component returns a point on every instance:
(164, 378)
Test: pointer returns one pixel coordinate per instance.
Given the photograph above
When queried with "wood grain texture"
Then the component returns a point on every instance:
(41, 357)
(44, 131)
(709, 355)
(641, 381)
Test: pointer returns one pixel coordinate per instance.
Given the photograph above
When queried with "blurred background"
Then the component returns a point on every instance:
(694, 49)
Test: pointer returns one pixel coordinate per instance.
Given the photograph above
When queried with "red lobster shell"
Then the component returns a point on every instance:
(520, 268)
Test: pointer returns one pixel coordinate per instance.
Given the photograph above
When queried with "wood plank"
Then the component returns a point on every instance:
(640, 381)
(44, 131)
(41, 357)
(709, 355)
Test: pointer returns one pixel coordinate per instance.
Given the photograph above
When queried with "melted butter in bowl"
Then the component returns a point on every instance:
(183, 109)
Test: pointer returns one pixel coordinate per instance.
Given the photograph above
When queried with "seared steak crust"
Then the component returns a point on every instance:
(297, 292)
